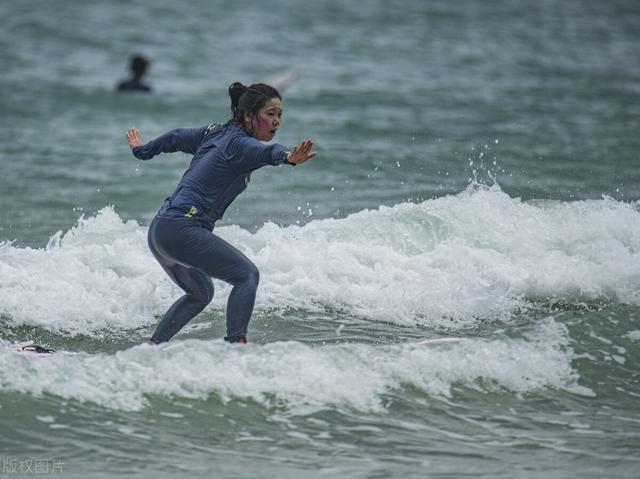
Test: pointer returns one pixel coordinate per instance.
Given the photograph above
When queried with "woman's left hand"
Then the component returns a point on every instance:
(301, 153)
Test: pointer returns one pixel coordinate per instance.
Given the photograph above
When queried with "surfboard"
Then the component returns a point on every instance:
(31, 349)
(441, 341)
(283, 80)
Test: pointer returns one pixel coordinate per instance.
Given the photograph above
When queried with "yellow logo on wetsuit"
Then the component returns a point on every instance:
(193, 211)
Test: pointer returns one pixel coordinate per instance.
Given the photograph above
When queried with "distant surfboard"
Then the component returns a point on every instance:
(441, 341)
(283, 80)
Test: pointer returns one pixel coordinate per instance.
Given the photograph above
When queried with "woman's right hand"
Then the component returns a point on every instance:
(134, 138)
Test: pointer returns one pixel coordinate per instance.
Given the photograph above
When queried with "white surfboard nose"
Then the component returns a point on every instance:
(441, 341)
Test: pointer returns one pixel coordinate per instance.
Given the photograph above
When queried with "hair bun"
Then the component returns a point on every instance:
(235, 92)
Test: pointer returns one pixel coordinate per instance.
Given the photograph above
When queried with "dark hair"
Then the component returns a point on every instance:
(139, 65)
(250, 99)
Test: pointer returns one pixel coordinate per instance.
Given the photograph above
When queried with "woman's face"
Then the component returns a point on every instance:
(266, 123)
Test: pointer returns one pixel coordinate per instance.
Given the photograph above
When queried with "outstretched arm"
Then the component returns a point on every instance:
(186, 140)
(248, 154)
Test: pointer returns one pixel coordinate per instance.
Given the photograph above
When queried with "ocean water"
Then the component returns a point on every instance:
(477, 176)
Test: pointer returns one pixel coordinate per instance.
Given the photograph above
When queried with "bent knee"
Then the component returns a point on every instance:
(253, 275)
(249, 275)
(246, 274)
(204, 296)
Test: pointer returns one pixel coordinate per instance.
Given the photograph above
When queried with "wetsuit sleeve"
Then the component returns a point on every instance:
(186, 140)
(246, 154)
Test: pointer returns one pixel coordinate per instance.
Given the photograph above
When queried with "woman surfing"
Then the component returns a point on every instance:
(180, 236)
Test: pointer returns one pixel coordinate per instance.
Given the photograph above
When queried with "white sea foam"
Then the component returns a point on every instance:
(296, 376)
(634, 335)
(476, 254)
(96, 276)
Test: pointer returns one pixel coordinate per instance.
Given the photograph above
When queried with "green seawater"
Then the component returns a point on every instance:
(477, 176)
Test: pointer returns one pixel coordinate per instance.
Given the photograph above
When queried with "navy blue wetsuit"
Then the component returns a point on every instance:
(180, 236)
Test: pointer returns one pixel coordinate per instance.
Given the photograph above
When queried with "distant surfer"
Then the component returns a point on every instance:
(180, 236)
(138, 66)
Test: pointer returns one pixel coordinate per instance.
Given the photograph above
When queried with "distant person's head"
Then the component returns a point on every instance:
(139, 66)
(257, 107)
